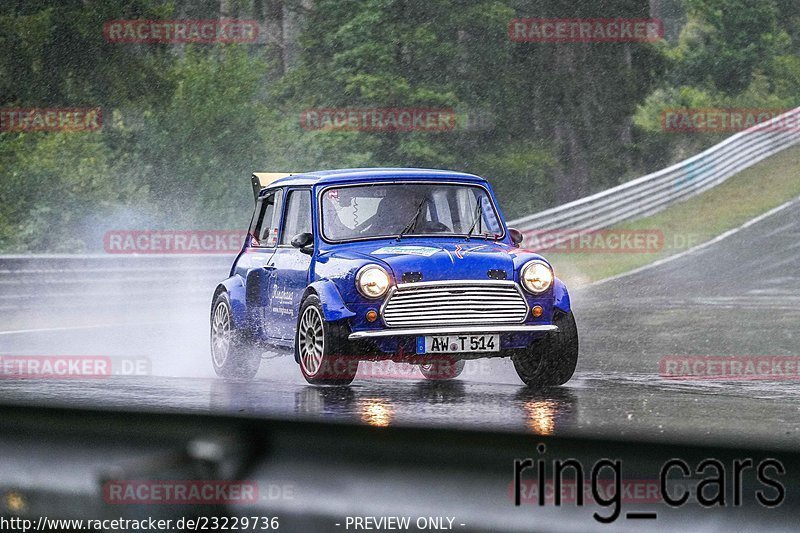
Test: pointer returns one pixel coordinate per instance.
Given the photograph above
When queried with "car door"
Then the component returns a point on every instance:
(256, 264)
(291, 274)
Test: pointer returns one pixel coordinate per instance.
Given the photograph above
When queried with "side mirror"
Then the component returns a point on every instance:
(516, 236)
(304, 241)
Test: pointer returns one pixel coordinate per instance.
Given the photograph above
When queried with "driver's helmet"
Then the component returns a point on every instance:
(395, 211)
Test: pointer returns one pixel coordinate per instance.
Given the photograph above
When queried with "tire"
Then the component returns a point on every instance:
(550, 361)
(233, 354)
(442, 369)
(320, 347)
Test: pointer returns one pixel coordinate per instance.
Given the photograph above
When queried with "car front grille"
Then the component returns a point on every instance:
(453, 303)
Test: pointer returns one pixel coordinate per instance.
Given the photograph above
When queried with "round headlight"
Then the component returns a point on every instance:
(536, 277)
(372, 281)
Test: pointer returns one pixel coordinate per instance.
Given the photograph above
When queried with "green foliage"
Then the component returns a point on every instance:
(54, 54)
(726, 41)
(732, 54)
(198, 147)
(521, 175)
(56, 179)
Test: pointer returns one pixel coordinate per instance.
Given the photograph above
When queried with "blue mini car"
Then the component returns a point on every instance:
(410, 265)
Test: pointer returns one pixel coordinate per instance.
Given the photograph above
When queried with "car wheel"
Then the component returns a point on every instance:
(550, 361)
(442, 369)
(319, 346)
(232, 352)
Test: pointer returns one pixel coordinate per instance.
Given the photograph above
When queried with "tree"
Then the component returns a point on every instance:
(725, 42)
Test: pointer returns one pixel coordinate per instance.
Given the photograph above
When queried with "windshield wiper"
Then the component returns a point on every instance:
(476, 219)
(413, 222)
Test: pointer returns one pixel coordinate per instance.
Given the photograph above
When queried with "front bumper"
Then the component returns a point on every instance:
(452, 330)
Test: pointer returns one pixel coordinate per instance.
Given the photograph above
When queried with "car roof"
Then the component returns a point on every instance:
(355, 175)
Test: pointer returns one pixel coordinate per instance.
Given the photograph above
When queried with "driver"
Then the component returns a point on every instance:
(396, 209)
(395, 212)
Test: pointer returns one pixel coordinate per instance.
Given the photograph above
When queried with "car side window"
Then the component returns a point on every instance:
(266, 231)
(298, 215)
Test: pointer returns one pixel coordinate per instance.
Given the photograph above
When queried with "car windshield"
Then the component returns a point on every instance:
(398, 209)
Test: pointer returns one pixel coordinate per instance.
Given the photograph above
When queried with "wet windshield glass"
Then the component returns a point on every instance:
(389, 210)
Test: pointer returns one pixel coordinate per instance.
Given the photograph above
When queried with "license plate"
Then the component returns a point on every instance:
(458, 343)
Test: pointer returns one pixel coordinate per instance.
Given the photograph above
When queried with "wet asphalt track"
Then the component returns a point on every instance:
(740, 296)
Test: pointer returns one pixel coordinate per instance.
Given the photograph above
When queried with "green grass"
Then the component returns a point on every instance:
(750, 193)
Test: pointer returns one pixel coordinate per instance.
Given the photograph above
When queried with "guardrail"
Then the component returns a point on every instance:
(652, 193)
(59, 281)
